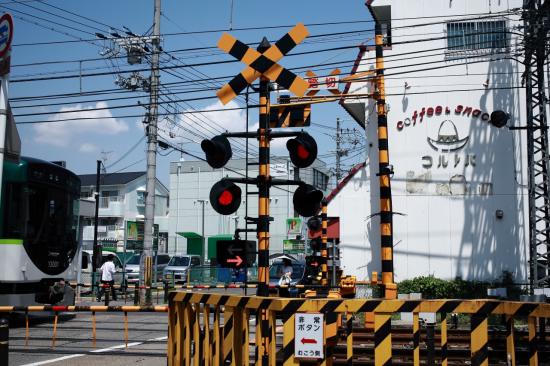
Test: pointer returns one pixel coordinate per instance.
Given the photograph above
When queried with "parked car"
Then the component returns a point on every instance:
(132, 267)
(178, 267)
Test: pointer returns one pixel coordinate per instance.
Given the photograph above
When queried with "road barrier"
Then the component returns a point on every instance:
(57, 310)
(194, 338)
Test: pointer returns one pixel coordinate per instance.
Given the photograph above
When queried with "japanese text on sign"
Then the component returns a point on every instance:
(309, 335)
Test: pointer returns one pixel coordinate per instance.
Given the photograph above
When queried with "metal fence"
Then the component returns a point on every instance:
(214, 329)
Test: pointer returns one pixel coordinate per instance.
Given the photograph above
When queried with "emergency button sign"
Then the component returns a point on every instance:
(309, 335)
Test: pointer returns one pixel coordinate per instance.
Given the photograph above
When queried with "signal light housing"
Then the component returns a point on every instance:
(225, 197)
(302, 150)
(307, 200)
(217, 150)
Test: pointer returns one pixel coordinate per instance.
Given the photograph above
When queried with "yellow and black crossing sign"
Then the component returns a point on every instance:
(263, 64)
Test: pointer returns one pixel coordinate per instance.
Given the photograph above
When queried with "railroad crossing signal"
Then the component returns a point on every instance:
(263, 64)
(225, 197)
(302, 150)
(317, 83)
(235, 253)
(217, 151)
(307, 200)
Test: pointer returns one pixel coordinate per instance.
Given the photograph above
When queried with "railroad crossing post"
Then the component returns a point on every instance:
(4, 341)
(263, 208)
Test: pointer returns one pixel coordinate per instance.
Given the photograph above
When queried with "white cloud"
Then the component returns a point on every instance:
(100, 122)
(208, 124)
(88, 148)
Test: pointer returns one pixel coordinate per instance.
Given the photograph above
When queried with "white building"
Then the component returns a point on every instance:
(460, 184)
(190, 184)
(122, 198)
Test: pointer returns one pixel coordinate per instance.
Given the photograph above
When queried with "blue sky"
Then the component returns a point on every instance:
(81, 142)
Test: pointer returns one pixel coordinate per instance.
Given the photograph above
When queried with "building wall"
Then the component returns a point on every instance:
(127, 209)
(444, 202)
(192, 180)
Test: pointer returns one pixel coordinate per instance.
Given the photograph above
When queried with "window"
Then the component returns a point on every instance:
(320, 180)
(476, 35)
(195, 261)
(179, 261)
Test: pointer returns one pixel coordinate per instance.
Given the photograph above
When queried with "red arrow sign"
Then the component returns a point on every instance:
(238, 260)
(308, 341)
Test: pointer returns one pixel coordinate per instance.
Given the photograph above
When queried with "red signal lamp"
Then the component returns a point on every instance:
(217, 151)
(302, 150)
(225, 197)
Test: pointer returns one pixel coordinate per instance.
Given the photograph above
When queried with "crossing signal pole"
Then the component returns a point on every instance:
(225, 195)
(386, 211)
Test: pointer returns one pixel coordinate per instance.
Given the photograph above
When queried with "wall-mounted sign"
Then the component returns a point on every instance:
(428, 112)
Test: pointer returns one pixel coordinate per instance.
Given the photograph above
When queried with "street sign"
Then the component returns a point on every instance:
(309, 335)
(235, 253)
(317, 83)
(263, 64)
(6, 34)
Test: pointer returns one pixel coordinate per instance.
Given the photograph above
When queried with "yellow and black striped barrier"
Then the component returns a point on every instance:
(231, 329)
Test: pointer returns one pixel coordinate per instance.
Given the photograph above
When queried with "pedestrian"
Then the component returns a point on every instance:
(107, 272)
(286, 278)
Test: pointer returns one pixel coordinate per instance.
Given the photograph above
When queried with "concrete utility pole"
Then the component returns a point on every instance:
(151, 130)
(338, 152)
(204, 246)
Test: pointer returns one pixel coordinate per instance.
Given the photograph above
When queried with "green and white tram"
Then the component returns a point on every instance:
(38, 232)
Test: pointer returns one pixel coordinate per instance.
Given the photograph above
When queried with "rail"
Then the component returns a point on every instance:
(194, 320)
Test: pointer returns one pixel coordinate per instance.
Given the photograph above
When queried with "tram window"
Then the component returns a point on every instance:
(14, 211)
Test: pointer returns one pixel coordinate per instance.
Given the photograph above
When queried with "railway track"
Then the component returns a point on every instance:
(458, 347)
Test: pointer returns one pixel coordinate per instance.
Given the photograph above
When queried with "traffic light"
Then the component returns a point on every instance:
(302, 150)
(225, 197)
(217, 150)
(307, 200)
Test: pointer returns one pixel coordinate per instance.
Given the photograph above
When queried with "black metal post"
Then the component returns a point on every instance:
(430, 343)
(4, 341)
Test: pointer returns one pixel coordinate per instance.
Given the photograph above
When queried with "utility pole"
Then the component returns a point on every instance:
(535, 27)
(96, 254)
(338, 152)
(151, 131)
(204, 247)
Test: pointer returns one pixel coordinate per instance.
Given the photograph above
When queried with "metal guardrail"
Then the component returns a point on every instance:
(57, 310)
(194, 339)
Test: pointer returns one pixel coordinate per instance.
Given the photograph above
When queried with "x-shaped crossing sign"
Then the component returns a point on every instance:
(263, 64)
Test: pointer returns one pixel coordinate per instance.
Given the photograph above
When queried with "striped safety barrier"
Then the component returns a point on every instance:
(189, 330)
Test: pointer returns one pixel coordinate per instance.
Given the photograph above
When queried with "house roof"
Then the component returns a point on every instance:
(110, 179)
(345, 181)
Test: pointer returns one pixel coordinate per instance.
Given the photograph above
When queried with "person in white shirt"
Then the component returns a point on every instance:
(286, 278)
(107, 271)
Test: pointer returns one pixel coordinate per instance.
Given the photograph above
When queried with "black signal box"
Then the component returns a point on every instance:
(236, 253)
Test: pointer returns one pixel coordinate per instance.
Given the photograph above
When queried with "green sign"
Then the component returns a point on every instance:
(135, 234)
(294, 226)
(293, 246)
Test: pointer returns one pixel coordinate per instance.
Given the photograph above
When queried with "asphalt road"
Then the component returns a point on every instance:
(147, 333)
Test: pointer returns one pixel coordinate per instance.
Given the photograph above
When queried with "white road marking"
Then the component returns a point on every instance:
(54, 360)
(95, 351)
